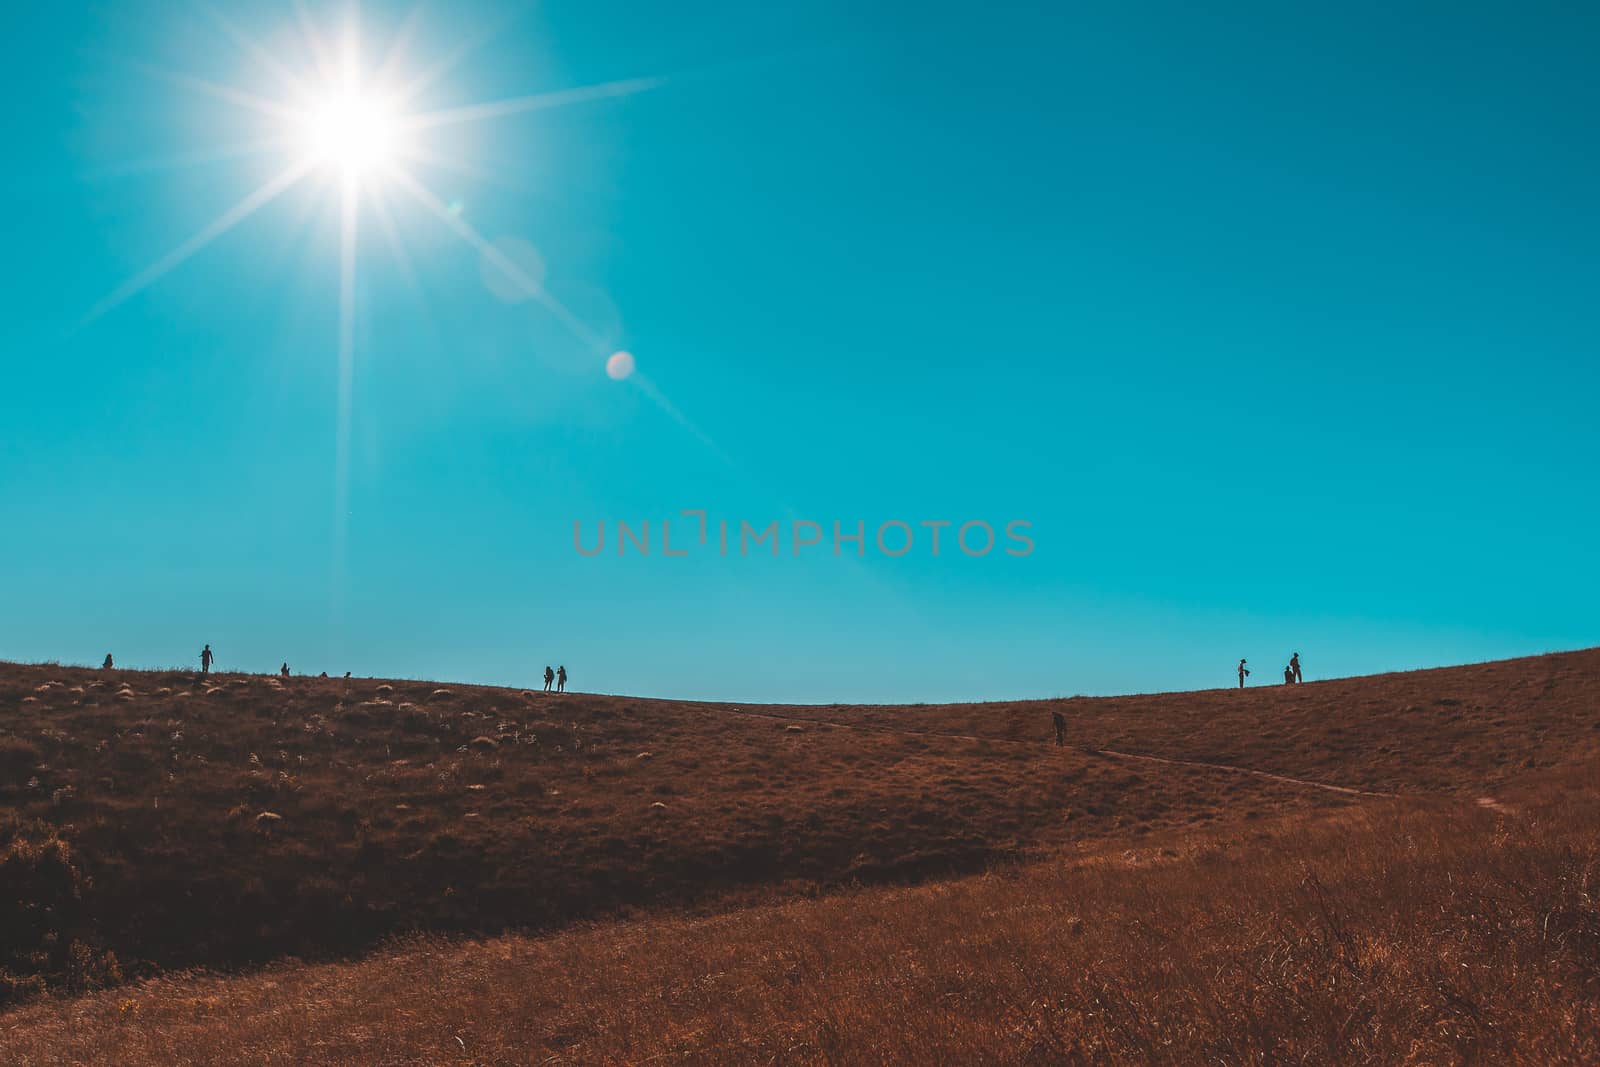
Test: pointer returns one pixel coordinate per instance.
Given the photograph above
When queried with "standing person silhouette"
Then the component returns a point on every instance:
(205, 660)
(1294, 665)
(284, 671)
(1288, 675)
(549, 677)
(561, 678)
(106, 666)
(1244, 672)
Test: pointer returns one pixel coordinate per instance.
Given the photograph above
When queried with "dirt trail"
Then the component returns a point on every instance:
(1114, 754)
(1347, 790)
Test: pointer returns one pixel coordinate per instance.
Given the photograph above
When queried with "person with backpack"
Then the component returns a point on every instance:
(1244, 672)
(561, 679)
(549, 677)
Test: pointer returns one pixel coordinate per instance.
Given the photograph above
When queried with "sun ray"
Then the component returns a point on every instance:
(246, 207)
(187, 160)
(422, 82)
(225, 93)
(326, 63)
(348, 202)
(396, 244)
(452, 165)
(296, 87)
(347, 297)
(349, 44)
(399, 46)
(535, 102)
(467, 233)
(649, 388)
(572, 322)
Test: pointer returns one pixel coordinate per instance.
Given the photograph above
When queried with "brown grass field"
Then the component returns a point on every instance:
(235, 869)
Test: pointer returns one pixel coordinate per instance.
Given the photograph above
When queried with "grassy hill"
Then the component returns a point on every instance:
(159, 820)
(1366, 936)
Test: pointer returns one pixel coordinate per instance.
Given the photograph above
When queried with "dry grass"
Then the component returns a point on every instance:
(232, 821)
(1385, 935)
(1433, 731)
(1133, 912)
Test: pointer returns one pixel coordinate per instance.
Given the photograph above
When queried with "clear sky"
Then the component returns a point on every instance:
(1277, 322)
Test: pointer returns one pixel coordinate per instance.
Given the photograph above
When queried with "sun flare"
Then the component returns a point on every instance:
(337, 108)
(356, 132)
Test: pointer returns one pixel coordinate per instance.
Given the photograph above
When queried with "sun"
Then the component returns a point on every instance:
(333, 112)
(355, 132)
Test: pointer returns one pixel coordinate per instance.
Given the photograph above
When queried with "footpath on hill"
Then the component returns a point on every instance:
(1081, 749)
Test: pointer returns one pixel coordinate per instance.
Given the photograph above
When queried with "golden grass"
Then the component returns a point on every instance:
(1388, 935)
(230, 825)
(706, 876)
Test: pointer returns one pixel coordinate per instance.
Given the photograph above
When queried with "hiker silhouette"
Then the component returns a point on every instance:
(106, 666)
(1294, 665)
(1288, 675)
(561, 679)
(1244, 672)
(549, 677)
(205, 660)
(284, 670)
(1060, 722)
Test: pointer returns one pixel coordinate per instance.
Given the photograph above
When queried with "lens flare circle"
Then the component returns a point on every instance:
(619, 366)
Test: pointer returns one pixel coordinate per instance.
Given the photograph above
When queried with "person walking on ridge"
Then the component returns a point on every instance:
(283, 671)
(1244, 672)
(561, 678)
(1294, 665)
(205, 660)
(549, 677)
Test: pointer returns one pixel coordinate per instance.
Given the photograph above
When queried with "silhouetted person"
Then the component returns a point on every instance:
(1060, 721)
(205, 660)
(1294, 665)
(549, 677)
(347, 674)
(106, 666)
(283, 671)
(1244, 672)
(1288, 675)
(561, 679)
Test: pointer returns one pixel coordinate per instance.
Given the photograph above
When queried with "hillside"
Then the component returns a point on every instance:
(172, 821)
(1439, 731)
(1372, 936)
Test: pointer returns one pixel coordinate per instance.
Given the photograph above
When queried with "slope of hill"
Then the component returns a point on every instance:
(1434, 731)
(1389, 933)
(160, 820)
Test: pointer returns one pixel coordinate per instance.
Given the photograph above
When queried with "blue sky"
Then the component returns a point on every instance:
(1277, 324)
